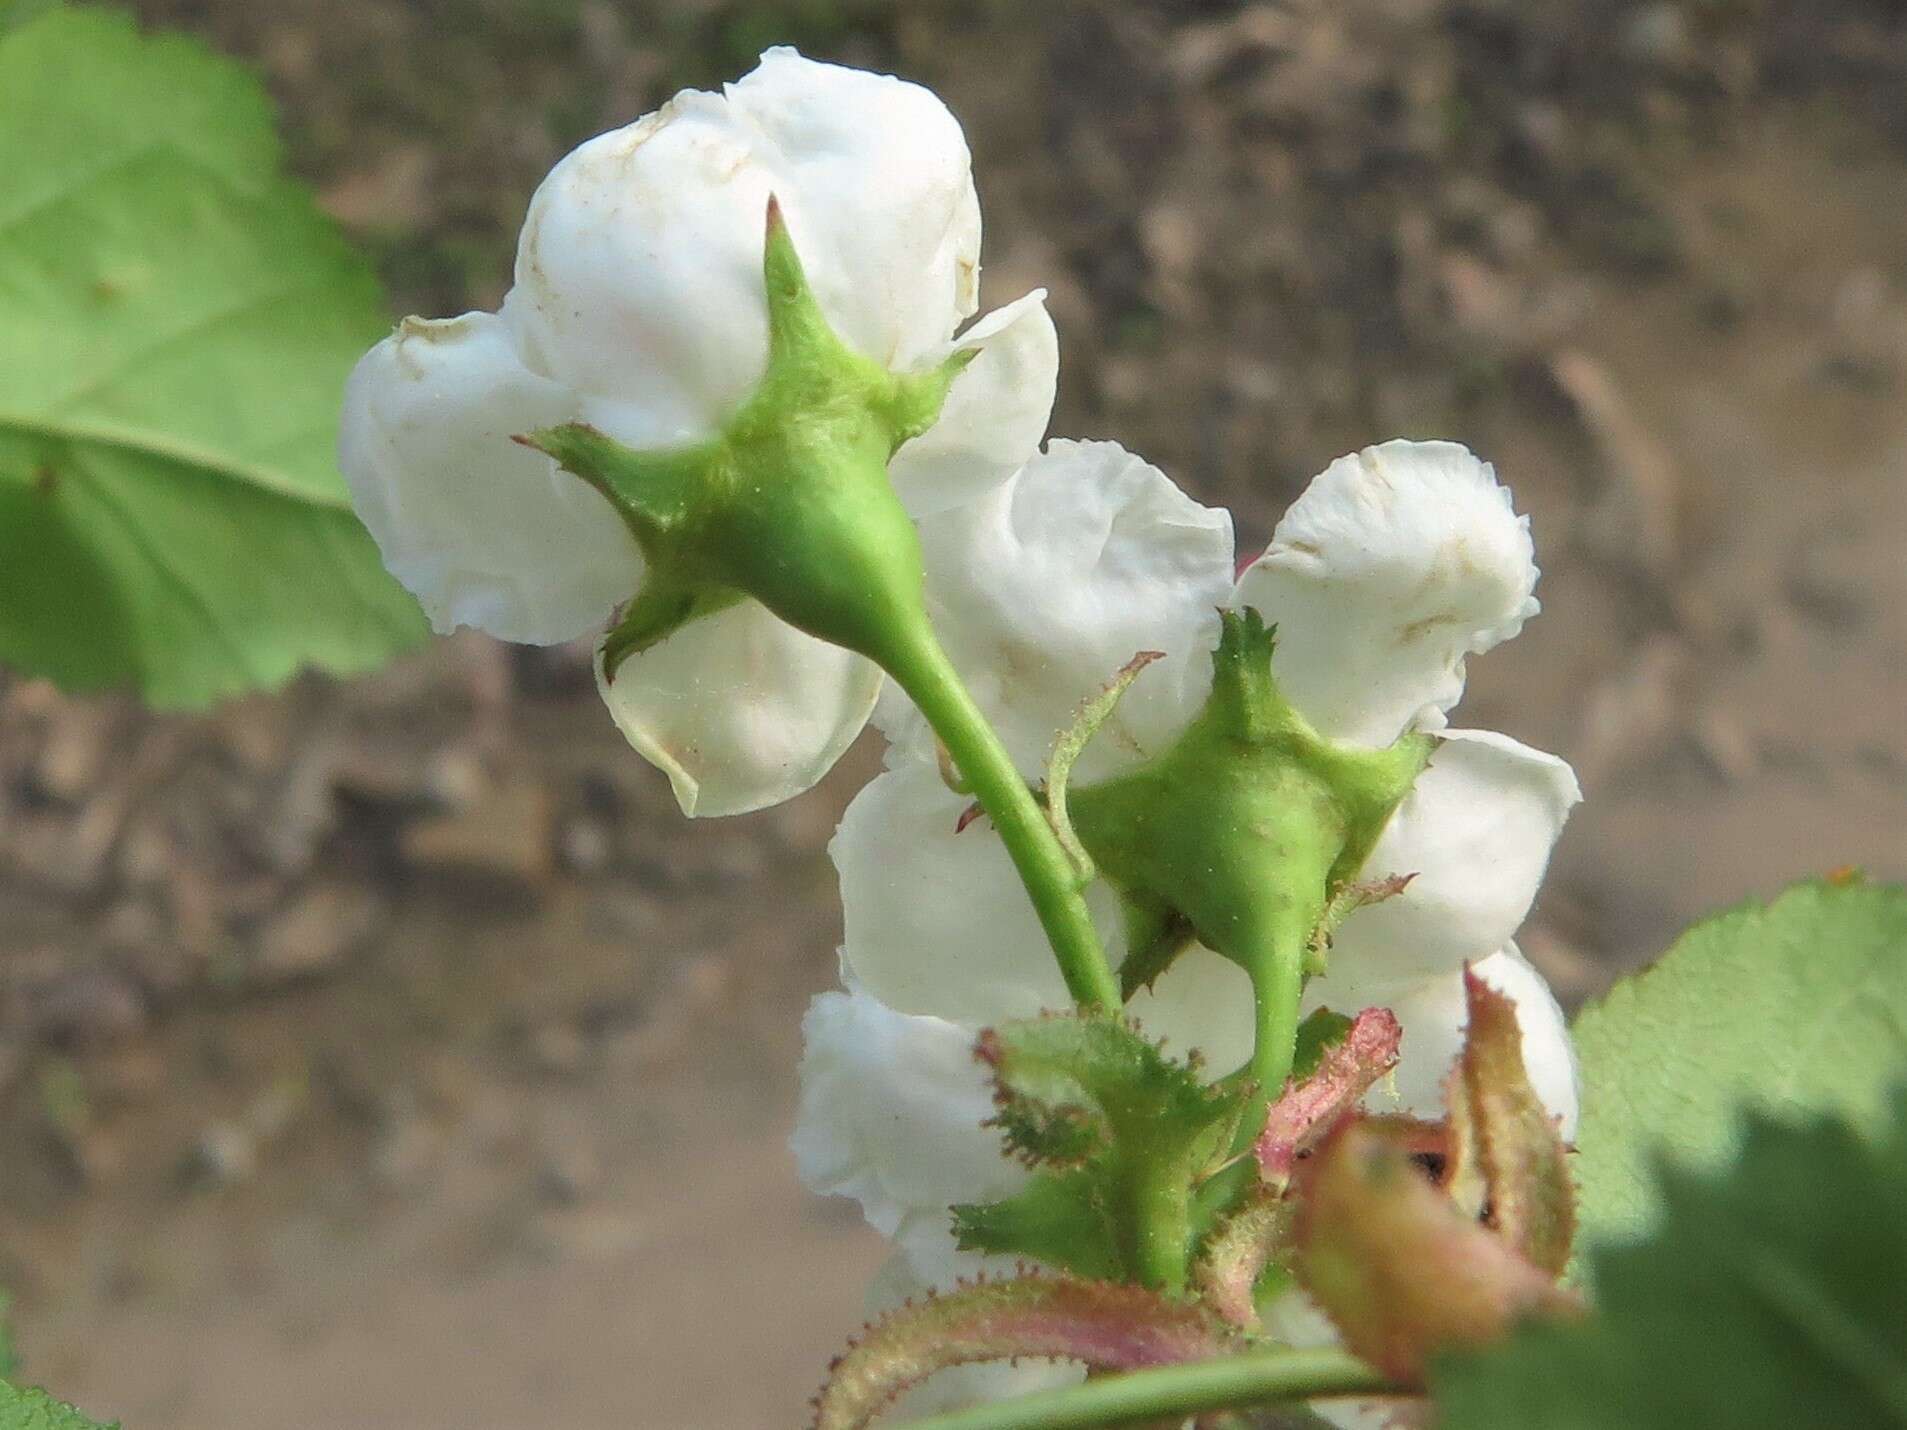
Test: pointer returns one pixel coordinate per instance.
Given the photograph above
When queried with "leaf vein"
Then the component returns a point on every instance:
(141, 443)
(141, 541)
(198, 327)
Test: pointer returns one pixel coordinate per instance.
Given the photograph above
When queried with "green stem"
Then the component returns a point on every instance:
(922, 669)
(1161, 1216)
(1172, 1392)
(1275, 994)
(1277, 984)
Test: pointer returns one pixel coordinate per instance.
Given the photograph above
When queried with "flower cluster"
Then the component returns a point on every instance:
(1393, 566)
(1318, 810)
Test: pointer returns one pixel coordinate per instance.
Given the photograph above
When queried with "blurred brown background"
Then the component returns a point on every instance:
(393, 1055)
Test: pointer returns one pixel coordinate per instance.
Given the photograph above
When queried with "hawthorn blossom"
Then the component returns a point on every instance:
(1394, 566)
(639, 308)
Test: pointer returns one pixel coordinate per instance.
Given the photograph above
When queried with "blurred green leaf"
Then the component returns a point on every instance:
(176, 324)
(36, 1410)
(1769, 1299)
(1794, 1006)
(18, 12)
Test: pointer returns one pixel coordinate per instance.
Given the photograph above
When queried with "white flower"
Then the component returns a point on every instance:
(1403, 560)
(639, 307)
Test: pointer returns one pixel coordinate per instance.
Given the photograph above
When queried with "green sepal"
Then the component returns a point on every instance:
(1156, 936)
(654, 492)
(1072, 743)
(656, 495)
(1346, 899)
(916, 400)
(1102, 1080)
(1122, 1136)
(1251, 822)
(1245, 699)
(1060, 1219)
(659, 610)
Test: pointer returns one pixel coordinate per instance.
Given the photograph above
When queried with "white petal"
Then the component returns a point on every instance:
(1044, 587)
(1204, 1002)
(883, 170)
(891, 1112)
(929, 1257)
(995, 414)
(1434, 1015)
(1476, 830)
(482, 531)
(639, 269)
(741, 710)
(899, 1282)
(935, 921)
(1396, 563)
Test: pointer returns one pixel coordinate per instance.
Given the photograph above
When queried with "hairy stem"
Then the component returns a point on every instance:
(1161, 1214)
(922, 669)
(1170, 1393)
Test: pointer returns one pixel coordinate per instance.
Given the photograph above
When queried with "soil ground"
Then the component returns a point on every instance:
(393, 1055)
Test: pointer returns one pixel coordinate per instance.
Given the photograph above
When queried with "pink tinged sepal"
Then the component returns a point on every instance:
(1403, 1273)
(1508, 1161)
(1306, 1111)
(1100, 1324)
(1407, 1265)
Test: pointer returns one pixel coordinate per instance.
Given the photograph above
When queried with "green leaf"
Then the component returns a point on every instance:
(1798, 1005)
(14, 13)
(176, 324)
(1770, 1298)
(36, 1410)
